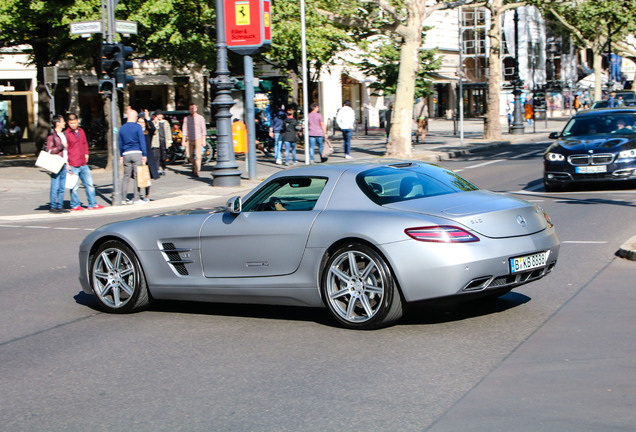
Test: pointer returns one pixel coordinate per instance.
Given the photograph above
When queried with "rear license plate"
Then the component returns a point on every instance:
(591, 169)
(528, 262)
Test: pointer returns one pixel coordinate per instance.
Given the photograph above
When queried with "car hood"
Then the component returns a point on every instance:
(487, 213)
(606, 143)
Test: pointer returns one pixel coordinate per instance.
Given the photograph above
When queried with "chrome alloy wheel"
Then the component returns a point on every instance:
(355, 286)
(114, 278)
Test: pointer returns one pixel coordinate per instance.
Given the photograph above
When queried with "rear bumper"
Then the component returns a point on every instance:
(431, 270)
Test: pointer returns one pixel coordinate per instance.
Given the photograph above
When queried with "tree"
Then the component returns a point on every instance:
(32, 24)
(382, 60)
(594, 23)
(402, 20)
(492, 125)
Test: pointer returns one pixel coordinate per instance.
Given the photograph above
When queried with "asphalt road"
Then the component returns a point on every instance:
(65, 366)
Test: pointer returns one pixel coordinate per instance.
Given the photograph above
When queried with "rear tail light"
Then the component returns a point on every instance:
(441, 234)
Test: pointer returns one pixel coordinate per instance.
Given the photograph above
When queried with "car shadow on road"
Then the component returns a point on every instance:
(423, 313)
(444, 311)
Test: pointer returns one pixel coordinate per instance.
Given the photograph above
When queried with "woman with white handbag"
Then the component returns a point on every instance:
(56, 144)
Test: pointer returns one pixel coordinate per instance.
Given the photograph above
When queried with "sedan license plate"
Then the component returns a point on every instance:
(528, 262)
(594, 169)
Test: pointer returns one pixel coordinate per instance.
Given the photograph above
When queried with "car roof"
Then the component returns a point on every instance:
(356, 166)
(597, 111)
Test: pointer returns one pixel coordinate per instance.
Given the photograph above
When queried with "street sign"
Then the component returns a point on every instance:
(125, 27)
(85, 28)
(247, 25)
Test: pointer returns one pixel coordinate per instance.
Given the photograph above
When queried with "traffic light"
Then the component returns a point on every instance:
(120, 74)
(114, 65)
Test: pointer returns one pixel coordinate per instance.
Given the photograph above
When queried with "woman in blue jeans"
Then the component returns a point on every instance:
(56, 144)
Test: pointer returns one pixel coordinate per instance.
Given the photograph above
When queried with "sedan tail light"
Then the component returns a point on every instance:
(441, 234)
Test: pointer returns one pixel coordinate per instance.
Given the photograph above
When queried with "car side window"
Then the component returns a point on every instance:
(287, 194)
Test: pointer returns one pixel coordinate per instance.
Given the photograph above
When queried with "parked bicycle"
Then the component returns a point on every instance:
(177, 152)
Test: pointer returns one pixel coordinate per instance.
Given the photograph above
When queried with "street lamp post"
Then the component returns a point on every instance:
(517, 127)
(225, 171)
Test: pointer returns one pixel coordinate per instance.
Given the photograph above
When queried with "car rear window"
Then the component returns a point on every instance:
(390, 184)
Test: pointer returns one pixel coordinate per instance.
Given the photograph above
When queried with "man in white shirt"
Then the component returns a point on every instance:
(346, 120)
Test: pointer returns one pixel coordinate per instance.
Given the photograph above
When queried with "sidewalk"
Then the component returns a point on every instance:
(24, 190)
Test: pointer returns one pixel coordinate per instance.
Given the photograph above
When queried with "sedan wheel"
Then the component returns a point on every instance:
(359, 289)
(117, 278)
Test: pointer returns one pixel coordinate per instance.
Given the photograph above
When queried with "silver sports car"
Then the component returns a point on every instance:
(363, 239)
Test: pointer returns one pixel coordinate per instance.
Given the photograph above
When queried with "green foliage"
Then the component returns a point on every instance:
(324, 39)
(591, 19)
(382, 60)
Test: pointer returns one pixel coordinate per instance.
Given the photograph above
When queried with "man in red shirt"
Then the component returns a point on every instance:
(78, 159)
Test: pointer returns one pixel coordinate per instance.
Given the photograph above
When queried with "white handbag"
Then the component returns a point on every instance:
(50, 162)
(71, 180)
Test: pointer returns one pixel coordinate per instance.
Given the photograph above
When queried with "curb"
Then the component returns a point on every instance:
(628, 249)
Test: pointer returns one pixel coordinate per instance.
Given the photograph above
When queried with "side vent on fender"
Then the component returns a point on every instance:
(174, 258)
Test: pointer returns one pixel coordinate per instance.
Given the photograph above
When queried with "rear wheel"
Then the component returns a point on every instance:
(359, 289)
(207, 153)
(117, 279)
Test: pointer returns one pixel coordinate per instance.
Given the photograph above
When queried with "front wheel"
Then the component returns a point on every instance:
(359, 289)
(117, 279)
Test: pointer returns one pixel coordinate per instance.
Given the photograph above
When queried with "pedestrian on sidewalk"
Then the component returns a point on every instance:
(420, 114)
(132, 150)
(194, 133)
(149, 130)
(346, 120)
(276, 126)
(78, 163)
(317, 130)
(161, 140)
(290, 135)
(56, 144)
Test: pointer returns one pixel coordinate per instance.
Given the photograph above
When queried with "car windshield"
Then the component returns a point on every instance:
(615, 123)
(390, 184)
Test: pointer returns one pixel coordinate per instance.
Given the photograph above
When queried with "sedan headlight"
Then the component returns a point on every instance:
(627, 154)
(554, 157)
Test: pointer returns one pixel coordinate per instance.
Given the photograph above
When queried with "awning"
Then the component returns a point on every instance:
(143, 80)
(153, 80)
(439, 78)
(89, 80)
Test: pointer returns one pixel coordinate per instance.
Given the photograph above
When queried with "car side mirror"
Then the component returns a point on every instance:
(554, 135)
(234, 205)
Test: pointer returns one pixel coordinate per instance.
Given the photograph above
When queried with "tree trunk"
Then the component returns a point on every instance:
(399, 144)
(109, 133)
(492, 125)
(597, 65)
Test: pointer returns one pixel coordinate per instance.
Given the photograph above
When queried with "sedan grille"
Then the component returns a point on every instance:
(596, 159)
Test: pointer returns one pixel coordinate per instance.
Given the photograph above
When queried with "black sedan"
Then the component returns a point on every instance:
(594, 146)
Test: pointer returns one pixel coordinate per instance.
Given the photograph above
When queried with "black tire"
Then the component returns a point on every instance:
(365, 299)
(208, 153)
(117, 279)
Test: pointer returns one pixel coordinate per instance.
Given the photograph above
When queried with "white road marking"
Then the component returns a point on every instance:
(479, 165)
(526, 154)
(47, 227)
(583, 242)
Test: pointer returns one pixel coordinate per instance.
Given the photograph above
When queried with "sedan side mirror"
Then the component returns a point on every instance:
(234, 205)
(554, 135)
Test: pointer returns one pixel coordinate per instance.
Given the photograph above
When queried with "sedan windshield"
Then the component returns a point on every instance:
(390, 184)
(615, 123)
